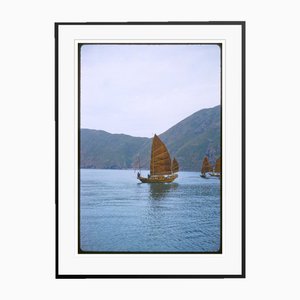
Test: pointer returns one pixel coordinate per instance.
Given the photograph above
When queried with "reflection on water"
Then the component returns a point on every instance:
(159, 191)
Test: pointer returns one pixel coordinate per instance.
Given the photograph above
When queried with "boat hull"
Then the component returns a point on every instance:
(215, 174)
(158, 179)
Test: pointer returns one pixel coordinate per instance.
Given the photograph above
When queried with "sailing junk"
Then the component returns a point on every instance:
(218, 165)
(206, 167)
(162, 169)
(217, 169)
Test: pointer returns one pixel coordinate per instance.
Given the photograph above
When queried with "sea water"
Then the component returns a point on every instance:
(120, 214)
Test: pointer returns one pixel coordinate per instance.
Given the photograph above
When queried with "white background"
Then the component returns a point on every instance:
(27, 149)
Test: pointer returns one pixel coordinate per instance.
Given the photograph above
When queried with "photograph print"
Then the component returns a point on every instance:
(150, 145)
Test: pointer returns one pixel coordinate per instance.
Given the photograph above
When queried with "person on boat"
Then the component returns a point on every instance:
(148, 176)
(138, 174)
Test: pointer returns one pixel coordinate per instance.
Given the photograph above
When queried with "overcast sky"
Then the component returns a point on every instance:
(145, 89)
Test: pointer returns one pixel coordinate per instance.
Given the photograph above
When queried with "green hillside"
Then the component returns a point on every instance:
(189, 141)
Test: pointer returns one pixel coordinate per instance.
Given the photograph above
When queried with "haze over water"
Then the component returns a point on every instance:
(119, 214)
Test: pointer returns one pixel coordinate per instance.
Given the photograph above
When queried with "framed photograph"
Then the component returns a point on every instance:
(150, 150)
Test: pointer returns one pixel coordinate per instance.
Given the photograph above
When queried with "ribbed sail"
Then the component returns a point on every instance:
(205, 166)
(175, 165)
(218, 165)
(160, 158)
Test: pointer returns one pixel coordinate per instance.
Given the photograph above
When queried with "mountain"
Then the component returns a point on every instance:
(103, 150)
(189, 141)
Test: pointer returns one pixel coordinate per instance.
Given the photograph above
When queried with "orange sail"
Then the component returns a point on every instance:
(218, 165)
(205, 166)
(175, 165)
(160, 158)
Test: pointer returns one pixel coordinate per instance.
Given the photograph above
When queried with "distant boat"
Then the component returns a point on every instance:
(206, 167)
(217, 169)
(162, 169)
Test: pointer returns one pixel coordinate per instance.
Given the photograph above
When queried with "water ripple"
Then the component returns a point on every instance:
(118, 214)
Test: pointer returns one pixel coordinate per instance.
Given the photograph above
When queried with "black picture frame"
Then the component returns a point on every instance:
(243, 164)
